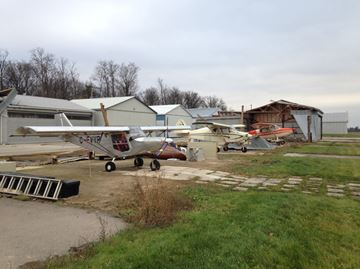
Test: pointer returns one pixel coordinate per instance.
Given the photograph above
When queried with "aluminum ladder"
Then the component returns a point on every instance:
(28, 185)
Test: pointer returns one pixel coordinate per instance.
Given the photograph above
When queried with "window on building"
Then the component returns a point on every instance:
(30, 115)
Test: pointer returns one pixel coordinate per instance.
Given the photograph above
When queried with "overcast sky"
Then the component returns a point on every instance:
(246, 52)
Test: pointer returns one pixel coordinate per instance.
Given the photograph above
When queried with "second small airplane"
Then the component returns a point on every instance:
(222, 134)
(271, 132)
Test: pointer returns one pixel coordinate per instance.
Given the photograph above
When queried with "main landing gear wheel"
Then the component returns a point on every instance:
(110, 166)
(225, 148)
(138, 162)
(155, 165)
(244, 149)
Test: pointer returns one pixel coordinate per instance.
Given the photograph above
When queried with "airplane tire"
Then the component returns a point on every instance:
(110, 166)
(155, 165)
(282, 142)
(225, 148)
(138, 162)
(244, 149)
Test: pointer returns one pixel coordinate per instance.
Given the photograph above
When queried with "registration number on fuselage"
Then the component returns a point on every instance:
(90, 139)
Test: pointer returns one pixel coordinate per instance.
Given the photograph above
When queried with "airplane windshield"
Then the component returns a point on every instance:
(120, 142)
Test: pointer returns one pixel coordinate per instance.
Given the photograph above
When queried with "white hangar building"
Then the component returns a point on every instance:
(335, 123)
(172, 115)
(121, 111)
(21, 110)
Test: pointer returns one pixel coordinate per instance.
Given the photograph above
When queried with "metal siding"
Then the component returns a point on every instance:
(301, 119)
(335, 128)
(11, 124)
(179, 114)
(130, 118)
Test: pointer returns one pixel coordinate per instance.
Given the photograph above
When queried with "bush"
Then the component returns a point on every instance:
(156, 204)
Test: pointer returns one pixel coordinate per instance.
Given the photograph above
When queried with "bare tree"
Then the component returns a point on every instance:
(44, 69)
(214, 101)
(175, 96)
(3, 65)
(163, 90)
(192, 100)
(150, 96)
(128, 79)
(105, 78)
(21, 77)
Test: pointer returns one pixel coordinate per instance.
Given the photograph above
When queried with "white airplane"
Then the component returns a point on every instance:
(113, 141)
(222, 134)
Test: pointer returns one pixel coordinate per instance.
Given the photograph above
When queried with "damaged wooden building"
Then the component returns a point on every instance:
(306, 120)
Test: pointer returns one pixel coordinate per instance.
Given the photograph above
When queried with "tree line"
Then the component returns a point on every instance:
(48, 76)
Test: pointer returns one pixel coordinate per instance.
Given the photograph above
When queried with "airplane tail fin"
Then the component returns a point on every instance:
(64, 121)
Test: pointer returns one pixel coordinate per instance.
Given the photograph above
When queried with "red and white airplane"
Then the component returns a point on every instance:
(271, 132)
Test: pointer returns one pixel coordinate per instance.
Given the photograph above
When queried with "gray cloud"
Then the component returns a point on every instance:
(247, 52)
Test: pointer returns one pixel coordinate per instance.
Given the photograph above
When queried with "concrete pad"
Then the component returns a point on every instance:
(314, 189)
(336, 186)
(239, 177)
(220, 174)
(240, 189)
(289, 186)
(274, 180)
(293, 182)
(295, 179)
(356, 194)
(207, 179)
(34, 230)
(315, 179)
(248, 184)
(335, 190)
(268, 184)
(201, 182)
(354, 188)
(354, 185)
(231, 179)
(255, 180)
(285, 189)
(229, 182)
(335, 194)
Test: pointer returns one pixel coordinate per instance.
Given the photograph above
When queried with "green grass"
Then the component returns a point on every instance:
(240, 230)
(339, 170)
(351, 134)
(275, 164)
(327, 149)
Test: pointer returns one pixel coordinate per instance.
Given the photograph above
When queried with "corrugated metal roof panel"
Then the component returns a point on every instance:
(46, 103)
(336, 117)
(94, 103)
(203, 112)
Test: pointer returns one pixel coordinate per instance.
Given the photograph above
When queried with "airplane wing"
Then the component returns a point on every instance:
(218, 125)
(165, 128)
(261, 124)
(64, 130)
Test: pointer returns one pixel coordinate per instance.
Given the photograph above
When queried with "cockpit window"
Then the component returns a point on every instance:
(120, 142)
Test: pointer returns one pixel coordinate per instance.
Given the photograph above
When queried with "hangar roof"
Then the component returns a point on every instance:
(27, 101)
(291, 105)
(94, 103)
